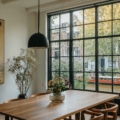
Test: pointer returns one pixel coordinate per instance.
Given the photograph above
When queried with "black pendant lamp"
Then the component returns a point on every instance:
(38, 40)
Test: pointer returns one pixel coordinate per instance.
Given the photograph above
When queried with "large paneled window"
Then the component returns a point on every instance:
(85, 48)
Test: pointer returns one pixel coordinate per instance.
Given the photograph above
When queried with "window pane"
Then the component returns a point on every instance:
(116, 27)
(104, 28)
(78, 63)
(105, 12)
(116, 82)
(90, 81)
(78, 17)
(55, 64)
(105, 46)
(89, 47)
(89, 15)
(65, 33)
(65, 20)
(64, 48)
(55, 34)
(55, 49)
(78, 80)
(64, 64)
(105, 82)
(105, 64)
(78, 48)
(116, 11)
(55, 22)
(90, 30)
(116, 45)
(77, 32)
(89, 64)
(116, 63)
(55, 75)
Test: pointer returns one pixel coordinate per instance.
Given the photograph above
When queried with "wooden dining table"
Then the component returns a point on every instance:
(41, 108)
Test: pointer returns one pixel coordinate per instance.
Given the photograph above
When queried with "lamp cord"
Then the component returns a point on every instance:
(38, 15)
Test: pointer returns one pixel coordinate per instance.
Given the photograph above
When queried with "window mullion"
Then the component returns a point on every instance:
(71, 51)
(59, 43)
(112, 46)
(83, 54)
(96, 50)
(49, 51)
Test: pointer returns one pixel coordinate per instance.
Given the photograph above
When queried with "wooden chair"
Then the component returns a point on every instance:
(112, 108)
(35, 95)
(8, 101)
(94, 115)
(12, 100)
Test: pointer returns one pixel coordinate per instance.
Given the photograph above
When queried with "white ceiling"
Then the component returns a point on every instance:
(27, 3)
(49, 5)
(30, 3)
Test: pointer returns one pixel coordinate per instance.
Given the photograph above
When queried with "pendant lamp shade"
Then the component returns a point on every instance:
(38, 40)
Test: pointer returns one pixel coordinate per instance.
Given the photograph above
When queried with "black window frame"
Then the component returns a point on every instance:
(96, 5)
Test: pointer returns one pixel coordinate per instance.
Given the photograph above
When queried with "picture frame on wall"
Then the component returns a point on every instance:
(2, 51)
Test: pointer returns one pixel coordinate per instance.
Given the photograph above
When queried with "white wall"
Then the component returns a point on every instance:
(19, 25)
(41, 74)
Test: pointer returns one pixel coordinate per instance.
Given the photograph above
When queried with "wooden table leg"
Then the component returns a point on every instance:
(6, 117)
(77, 116)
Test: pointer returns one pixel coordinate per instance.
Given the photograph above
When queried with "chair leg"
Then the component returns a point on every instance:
(82, 116)
(115, 116)
(70, 117)
(105, 115)
(6, 117)
(11, 118)
(77, 116)
(92, 116)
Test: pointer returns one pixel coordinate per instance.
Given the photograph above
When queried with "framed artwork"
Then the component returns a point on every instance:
(2, 51)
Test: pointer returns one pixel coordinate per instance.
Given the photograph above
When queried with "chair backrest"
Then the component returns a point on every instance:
(12, 100)
(35, 95)
(114, 107)
(94, 115)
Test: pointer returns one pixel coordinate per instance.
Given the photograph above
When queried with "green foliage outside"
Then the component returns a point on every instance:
(78, 78)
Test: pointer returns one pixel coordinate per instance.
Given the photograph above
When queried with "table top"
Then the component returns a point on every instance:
(41, 108)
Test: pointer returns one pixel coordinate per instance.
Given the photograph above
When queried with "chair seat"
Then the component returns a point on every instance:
(109, 116)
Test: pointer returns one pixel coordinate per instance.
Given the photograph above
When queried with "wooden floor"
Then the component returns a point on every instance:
(87, 117)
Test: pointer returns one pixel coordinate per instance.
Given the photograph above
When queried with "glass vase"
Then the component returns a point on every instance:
(57, 97)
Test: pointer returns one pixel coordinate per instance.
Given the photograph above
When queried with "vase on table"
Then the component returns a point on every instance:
(22, 96)
(57, 97)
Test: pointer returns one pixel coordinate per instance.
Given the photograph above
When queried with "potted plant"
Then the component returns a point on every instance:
(22, 68)
(57, 86)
